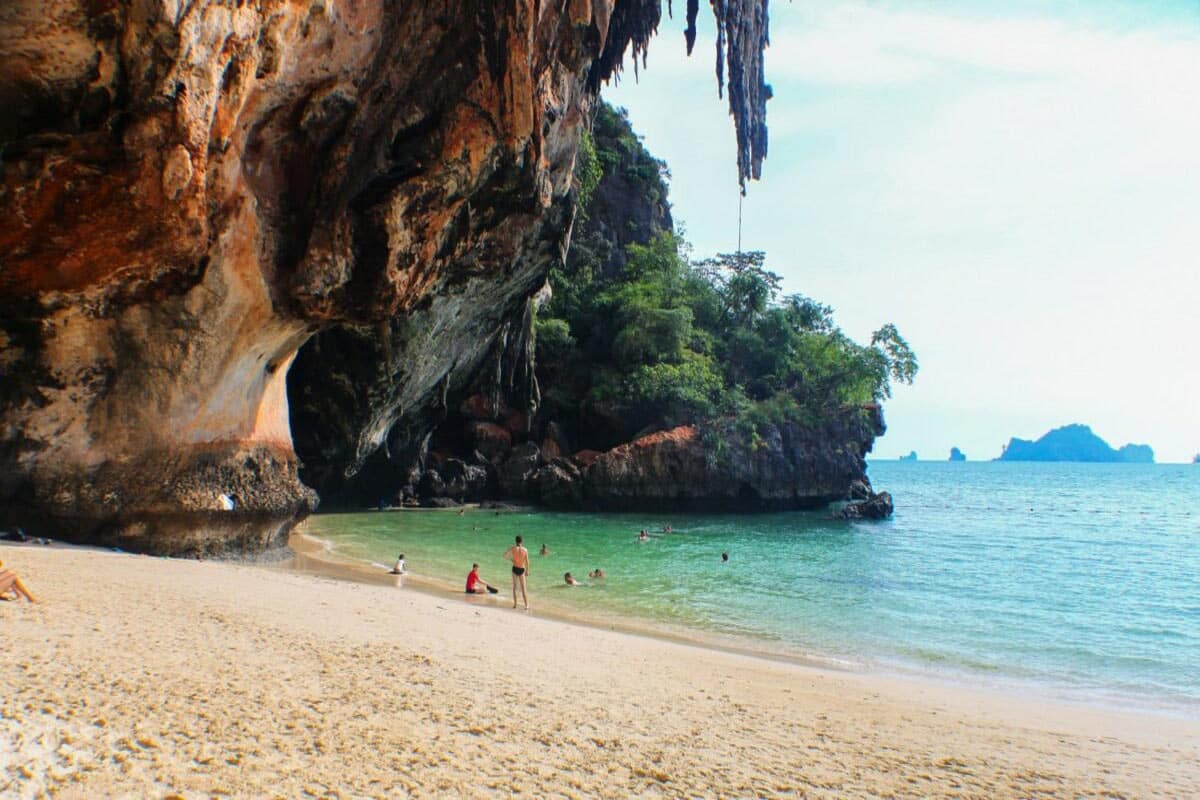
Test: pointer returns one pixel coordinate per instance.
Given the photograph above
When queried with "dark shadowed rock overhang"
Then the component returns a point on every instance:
(189, 192)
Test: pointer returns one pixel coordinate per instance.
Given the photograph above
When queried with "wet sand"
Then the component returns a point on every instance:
(141, 676)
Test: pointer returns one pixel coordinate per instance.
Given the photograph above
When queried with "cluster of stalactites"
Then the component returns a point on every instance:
(742, 36)
(632, 24)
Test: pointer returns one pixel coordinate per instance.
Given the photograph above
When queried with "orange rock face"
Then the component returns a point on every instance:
(190, 190)
(781, 467)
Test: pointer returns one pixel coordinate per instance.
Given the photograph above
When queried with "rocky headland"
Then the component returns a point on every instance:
(533, 429)
(703, 467)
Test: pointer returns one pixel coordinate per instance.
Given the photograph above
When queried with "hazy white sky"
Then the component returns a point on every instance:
(1016, 185)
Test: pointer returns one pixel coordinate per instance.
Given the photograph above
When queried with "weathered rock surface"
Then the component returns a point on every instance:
(875, 506)
(387, 386)
(492, 440)
(717, 468)
(515, 473)
(620, 211)
(466, 481)
(546, 469)
(785, 467)
(190, 191)
(559, 484)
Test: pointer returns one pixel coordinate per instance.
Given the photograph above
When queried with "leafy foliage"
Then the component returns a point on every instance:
(588, 172)
(665, 341)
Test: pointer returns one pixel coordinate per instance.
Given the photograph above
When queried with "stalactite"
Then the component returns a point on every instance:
(632, 24)
(689, 34)
(495, 385)
(742, 36)
(520, 385)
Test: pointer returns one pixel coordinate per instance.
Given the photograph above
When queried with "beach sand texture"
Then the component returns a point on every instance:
(147, 677)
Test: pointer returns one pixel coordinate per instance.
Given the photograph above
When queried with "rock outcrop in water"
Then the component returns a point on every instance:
(1074, 443)
(717, 468)
(191, 191)
(874, 506)
(550, 441)
(713, 467)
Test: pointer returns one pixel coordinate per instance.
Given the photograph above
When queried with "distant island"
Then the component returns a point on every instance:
(1074, 443)
(957, 455)
(912, 456)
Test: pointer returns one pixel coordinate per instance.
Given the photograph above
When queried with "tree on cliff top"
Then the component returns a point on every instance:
(644, 339)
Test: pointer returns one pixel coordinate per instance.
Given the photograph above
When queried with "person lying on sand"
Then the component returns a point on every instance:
(400, 567)
(14, 536)
(10, 583)
(571, 581)
(476, 584)
(19, 536)
(596, 573)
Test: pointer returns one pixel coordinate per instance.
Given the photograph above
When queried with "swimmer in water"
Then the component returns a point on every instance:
(596, 573)
(643, 537)
(545, 551)
(570, 581)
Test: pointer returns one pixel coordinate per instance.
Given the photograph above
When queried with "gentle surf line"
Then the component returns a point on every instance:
(319, 556)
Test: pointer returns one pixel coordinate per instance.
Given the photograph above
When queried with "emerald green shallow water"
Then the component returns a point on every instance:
(1081, 578)
(661, 580)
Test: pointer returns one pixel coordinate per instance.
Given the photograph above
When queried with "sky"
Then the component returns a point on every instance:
(1016, 185)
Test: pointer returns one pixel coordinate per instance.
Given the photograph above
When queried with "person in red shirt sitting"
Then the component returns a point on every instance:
(476, 584)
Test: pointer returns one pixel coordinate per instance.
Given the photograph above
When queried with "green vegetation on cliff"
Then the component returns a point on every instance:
(639, 337)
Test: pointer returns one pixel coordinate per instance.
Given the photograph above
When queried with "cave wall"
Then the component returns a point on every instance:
(365, 399)
(190, 190)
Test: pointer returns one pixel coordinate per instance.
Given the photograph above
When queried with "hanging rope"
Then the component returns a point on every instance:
(740, 198)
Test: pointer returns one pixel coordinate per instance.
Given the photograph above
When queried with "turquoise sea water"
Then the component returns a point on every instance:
(1083, 579)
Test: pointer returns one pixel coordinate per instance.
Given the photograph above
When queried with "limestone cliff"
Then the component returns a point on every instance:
(540, 440)
(361, 440)
(716, 468)
(189, 191)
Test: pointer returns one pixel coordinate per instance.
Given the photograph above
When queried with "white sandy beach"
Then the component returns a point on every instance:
(148, 677)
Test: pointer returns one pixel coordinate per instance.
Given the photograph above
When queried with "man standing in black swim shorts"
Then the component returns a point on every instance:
(519, 557)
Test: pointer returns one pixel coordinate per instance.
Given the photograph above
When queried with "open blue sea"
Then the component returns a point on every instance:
(1078, 580)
